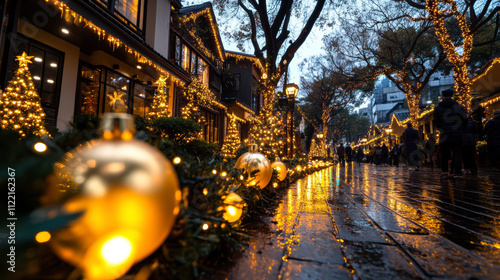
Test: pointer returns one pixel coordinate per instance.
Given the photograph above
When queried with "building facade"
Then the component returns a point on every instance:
(92, 56)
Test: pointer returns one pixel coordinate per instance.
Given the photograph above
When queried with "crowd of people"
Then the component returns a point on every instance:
(455, 151)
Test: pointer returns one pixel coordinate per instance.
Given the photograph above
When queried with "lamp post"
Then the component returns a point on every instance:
(320, 142)
(291, 92)
(389, 131)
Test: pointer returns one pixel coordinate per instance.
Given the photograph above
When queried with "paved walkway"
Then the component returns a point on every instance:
(373, 222)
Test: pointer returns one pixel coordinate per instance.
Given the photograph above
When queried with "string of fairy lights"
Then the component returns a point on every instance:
(185, 19)
(70, 15)
(239, 57)
(20, 104)
(459, 59)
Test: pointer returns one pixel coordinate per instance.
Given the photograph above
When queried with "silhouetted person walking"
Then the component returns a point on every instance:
(451, 119)
(348, 152)
(411, 145)
(469, 146)
(341, 153)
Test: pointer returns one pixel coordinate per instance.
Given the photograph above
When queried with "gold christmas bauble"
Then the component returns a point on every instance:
(257, 169)
(233, 207)
(281, 169)
(129, 195)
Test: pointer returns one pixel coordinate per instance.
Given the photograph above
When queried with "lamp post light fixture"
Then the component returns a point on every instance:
(291, 91)
(389, 131)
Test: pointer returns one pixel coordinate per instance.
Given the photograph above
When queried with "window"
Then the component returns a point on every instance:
(88, 98)
(46, 71)
(203, 71)
(116, 90)
(186, 55)
(143, 98)
(193, 68)
(178, 51)
(130, 12)
(210, 129)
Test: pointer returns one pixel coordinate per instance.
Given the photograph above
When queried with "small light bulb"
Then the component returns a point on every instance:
(40, 147)
(42, 237)
(177, 160)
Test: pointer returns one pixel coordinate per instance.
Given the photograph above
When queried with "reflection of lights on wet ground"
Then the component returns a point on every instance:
(337, 176)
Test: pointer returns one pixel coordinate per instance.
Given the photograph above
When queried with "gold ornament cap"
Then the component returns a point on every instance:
(118, 126)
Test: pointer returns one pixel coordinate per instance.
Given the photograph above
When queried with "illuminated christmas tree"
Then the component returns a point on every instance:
(317, 150)
(20, 105)
(267, 131)
(159, 108)
(232, 141)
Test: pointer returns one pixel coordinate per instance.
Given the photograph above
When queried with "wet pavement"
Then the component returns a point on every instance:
(374, 222)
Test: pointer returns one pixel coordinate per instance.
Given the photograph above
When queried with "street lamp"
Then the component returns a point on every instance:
(291, 91)
(389, 131)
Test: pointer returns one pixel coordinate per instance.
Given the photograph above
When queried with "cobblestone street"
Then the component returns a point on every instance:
(374, 222)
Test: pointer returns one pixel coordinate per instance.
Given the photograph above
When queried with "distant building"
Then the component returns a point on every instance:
(387, 99)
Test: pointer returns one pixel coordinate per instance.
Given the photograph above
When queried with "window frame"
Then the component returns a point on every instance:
(139, 27)
(29, 43)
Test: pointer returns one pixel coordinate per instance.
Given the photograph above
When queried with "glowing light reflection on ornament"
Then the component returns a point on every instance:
(116, 250)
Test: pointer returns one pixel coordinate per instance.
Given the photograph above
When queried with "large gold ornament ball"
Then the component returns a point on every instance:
(280, 167)
(257, 169)
(129, 195)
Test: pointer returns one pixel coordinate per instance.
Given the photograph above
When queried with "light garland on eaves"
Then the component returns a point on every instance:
(491, 100)
(71, 16)
(193, 17)
(245, 108)
(485, 71)
(240, 57)
(426, 113)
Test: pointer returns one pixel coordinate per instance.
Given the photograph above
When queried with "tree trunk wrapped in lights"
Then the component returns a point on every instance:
(459, 61)
(232, 141)
(20, 105)
(159, 108)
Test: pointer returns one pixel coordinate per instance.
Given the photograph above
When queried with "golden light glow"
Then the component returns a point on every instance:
(214, 171)
(40, 147)
(223, 174)
(233, 208)
(438, 13)
(205, 226)
(159, 106)
(42, 237)
(21, 102)
(232, 141)
(205, 191)
(116, 250)
(177, 160)
(71, 16)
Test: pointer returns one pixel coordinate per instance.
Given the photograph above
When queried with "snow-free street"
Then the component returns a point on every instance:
(374, 222)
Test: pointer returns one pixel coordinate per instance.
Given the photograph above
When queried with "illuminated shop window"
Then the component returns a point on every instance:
(143, 97)
(88, 97)
(116, 91)
(46, 72)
